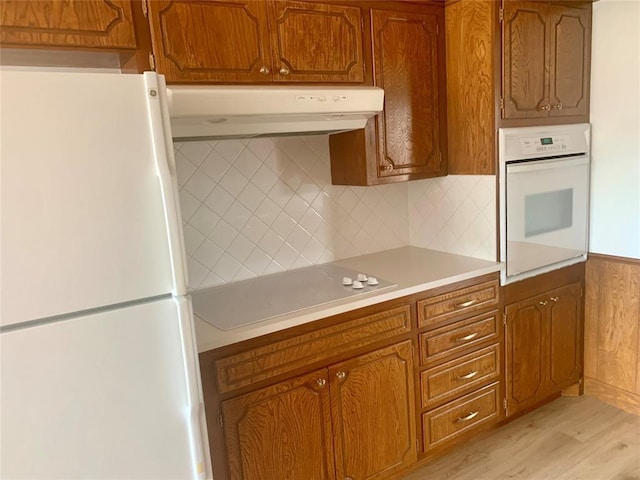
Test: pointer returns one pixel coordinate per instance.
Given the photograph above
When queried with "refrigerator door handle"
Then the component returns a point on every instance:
(195, 407)
(163, 151)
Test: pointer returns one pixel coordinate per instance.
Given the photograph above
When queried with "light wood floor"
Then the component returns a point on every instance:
(568, 439)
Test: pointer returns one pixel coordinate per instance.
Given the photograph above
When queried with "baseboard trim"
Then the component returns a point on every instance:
(627, 401)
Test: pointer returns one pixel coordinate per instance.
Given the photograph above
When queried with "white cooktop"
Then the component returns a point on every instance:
(278, 294)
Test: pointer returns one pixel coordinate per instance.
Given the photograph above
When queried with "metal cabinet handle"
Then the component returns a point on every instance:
(468, 375)
(468, 417)
(467, 303)
(467, 337)
(321, 382)
(557, 107)
(543, 303)
(545, 108)
(264, 70)
(341, 375)
(284, 71)
(554, 299)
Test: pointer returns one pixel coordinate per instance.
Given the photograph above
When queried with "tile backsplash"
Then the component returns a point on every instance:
(455, 214)
(260, 206)
(257, 206)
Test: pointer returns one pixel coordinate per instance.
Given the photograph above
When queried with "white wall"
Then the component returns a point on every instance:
(615, 117)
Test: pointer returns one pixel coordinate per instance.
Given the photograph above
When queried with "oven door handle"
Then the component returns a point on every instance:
(546, 164)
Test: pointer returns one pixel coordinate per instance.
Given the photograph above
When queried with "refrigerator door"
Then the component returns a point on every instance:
(100, 396)
(83, 224)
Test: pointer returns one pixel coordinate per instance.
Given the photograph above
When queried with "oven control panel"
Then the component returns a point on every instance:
(553, 144)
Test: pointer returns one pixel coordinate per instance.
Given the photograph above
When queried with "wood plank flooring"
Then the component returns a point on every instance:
(571, 438)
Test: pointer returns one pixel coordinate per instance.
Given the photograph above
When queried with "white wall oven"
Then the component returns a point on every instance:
(544, 196)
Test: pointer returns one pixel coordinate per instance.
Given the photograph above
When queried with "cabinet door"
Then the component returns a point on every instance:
(212, 41)
(373, 411)
(525, 59)
(565, 314)
(72, 23)
(282, 432)
(407, 60)
(315, 42)
(570, 35)
(525, 357)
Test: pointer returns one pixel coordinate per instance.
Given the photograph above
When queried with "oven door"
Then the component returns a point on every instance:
(546, 215)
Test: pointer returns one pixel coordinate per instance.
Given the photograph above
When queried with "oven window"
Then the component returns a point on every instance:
(547, 212)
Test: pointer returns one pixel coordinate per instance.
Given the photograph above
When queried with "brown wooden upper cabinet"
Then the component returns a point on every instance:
(546, 50)
(407, 140)
(512, 64)
(104, 24)
(256, 41)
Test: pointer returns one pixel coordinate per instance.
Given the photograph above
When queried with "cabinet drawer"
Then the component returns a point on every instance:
(277, 358)
(460, 376)
(439, 309)
(460, 416)
(457, 337)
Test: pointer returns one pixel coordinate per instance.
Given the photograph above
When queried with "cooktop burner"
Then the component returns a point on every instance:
(250, 301)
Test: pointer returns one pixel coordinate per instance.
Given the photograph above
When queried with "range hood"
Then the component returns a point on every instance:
(199, 112)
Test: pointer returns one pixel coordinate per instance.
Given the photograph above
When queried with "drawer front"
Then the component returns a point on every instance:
(441, 308)
(277, 358)
(460, 417)
(460, 376)
(459, 336)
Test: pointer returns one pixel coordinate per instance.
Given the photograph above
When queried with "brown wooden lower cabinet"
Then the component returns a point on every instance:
(281, 432)
(354, 419)
(460, 416)
(338, 400)
(543, 346)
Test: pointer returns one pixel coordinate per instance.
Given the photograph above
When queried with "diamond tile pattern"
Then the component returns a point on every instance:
(455, 214)
(260, 206)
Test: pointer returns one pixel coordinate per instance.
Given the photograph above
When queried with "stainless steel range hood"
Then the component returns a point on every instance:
(199, 112)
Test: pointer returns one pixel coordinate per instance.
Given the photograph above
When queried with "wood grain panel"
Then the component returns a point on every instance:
(458, 337)
(282, 432)
(570, 57)
(287, 355)
(406, 66)
(470, 86)
(459, 376)
(526, 359)
(612, 308)
(212, 41)
(373, 412)
(525, 51)
(70, 23)
(565, 316)
(315, 42)
(439, 309)
(460, 417)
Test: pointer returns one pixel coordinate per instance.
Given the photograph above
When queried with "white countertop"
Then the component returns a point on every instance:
(412, 269)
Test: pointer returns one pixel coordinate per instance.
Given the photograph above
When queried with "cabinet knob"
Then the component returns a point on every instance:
(545, 108)
(264, 70)
(543, 303)
(284, 71)
(321, 382)
(341, 375)
(558, 106)
(554, 299)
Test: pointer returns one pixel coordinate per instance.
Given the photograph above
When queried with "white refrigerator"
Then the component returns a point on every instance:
(99, 373)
